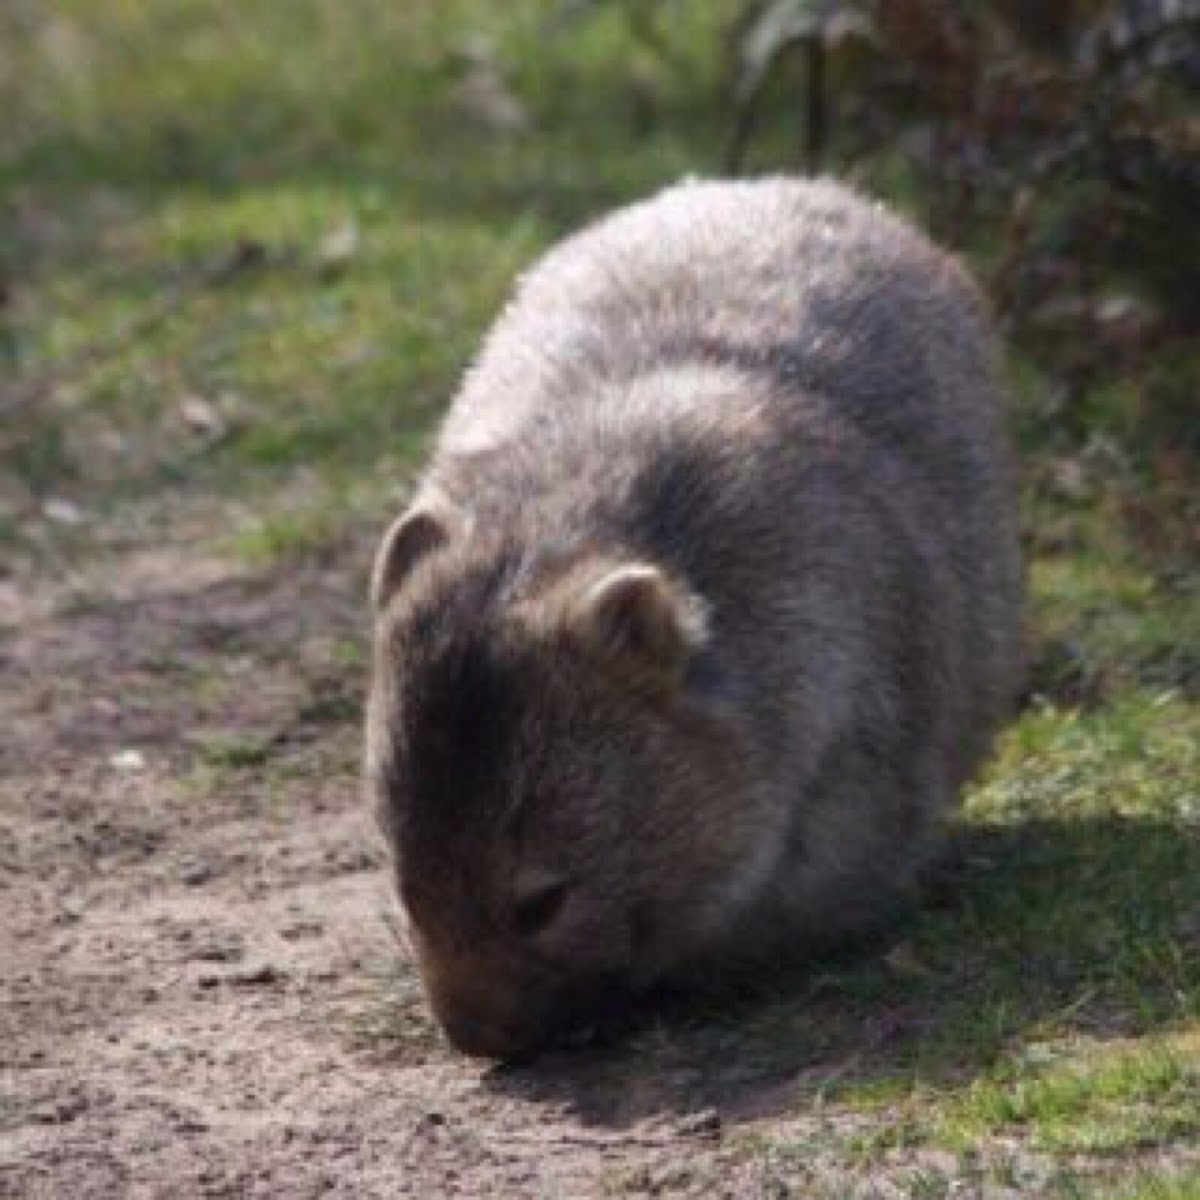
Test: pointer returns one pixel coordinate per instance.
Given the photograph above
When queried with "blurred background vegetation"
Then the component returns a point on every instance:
(245, 249)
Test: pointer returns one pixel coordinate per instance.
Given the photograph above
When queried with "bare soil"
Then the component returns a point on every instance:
(197, 955)
(201, 991)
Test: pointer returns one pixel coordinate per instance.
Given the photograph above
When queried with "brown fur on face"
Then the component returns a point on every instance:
(522, 744)
(705, 608)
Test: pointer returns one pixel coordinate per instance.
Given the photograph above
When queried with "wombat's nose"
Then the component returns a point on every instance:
(483, 1039)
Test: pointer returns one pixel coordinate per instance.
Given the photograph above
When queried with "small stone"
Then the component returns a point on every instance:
(63, 512)
(902, 960)
(338, 247)
(705, 1123)
(216, 952)
(301, 929)
(195, 873)
(257, 976)
(202, 417)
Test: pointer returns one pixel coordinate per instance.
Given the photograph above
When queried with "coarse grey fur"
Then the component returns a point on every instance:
(707, 605)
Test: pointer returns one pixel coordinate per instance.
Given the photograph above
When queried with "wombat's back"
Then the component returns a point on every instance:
(792, 307)
(802, 279)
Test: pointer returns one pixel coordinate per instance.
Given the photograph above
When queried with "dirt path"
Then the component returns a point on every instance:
(194, 926)
(201, 991)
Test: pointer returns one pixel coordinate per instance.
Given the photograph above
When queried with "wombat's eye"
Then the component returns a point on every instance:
(538, 904)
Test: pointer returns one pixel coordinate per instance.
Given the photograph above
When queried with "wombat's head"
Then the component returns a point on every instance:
(555, 772)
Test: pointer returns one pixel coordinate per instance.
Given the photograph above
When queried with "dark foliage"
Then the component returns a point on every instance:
(1058, 144)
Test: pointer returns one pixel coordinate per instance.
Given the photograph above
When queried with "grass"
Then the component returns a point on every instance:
(1184, 1186)
(146, 142)
(1042, 1025)
(1102, 1099)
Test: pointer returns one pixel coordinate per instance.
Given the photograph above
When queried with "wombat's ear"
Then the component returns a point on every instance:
(412, 536)
(634, 612)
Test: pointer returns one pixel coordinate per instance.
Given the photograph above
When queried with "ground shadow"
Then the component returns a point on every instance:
(1072, 926)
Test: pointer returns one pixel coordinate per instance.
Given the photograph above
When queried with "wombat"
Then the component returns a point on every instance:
(705, 608)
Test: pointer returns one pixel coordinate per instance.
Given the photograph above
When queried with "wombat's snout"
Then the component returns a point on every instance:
(488, 1011)
(483, 1038)
(505, 1011)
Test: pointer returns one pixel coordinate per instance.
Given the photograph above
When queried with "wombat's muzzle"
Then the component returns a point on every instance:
(504, 1032)
(491, 1020)
(482, 1039)
(486, 1009)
